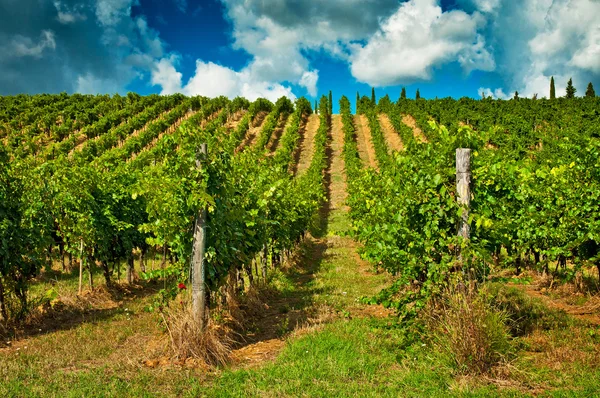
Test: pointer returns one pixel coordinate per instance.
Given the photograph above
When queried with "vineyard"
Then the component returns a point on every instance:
(188, 246)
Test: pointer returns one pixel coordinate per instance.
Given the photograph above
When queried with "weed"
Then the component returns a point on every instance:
(471, 334)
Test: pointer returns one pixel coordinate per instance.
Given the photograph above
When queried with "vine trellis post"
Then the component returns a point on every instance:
(199, 303)
(463, 193)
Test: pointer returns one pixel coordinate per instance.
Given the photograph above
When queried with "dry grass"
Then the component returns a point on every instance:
(211, 344)
(471, 334)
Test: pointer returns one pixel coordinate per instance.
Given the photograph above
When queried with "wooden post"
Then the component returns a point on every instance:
(130, 268)
(81, 266)
(198, 266)
(263, 263)
(463, 191)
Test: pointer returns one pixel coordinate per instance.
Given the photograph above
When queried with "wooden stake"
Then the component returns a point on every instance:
(463, 191)
(81, 267)
(198, 266)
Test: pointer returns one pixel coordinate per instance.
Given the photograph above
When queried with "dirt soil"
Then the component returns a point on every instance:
(254, 131)
(306, 144)
(412, 123)
(391, 135)
(364, 141)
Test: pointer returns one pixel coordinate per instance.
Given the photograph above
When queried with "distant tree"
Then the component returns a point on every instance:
(373, 99)
(316, 107)
(403, 93)
(552, 88)
(363, 105)
(330, 103)
(516, 97)
(418, 95)
(571, 90)
(534, 96)
(384, 103)
(590, 91)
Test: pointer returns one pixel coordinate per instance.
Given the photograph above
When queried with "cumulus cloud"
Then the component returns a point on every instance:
(67, 14)
(48, 49)
(166, 76)
(22, 46)
(383, 42)
(588, 55)
(90, 84)
(417, 37)
(278, 35)
(111, 12)
(309, 80)
(537, 39)
(496, 94)
(212, 80)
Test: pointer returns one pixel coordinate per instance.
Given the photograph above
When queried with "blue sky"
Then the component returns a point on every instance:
(298, 47)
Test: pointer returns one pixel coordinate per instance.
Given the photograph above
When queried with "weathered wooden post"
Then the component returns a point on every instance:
(130, 268)
(263, 263)
(81, 267)
(463, 192)
(198, 266)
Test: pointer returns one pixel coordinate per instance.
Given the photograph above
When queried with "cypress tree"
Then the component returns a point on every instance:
(418, 95)
(373, 99)
(316, 107)
(516, 97)
(590, 91)
(571, 90)
(552, 88)
(330, 103)
(403, 93)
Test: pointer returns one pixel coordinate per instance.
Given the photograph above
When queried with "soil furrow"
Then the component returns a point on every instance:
(306, 145)
(364, 141)
(391, 135)
(412, 123)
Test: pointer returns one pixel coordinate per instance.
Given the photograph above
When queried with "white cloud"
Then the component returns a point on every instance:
(544, 38)
(588, 55)
(21, 46)
(111, 12)
(279, 34)
(212, 80)
(151, 42)
(477, 57)
(497, 94)
(309, 80)
(487, 5)
(67, 15)
(416, 38)
(166, 76)
(484, 6)
(90, 84)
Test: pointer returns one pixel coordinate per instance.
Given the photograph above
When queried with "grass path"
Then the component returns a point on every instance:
(326, 280)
